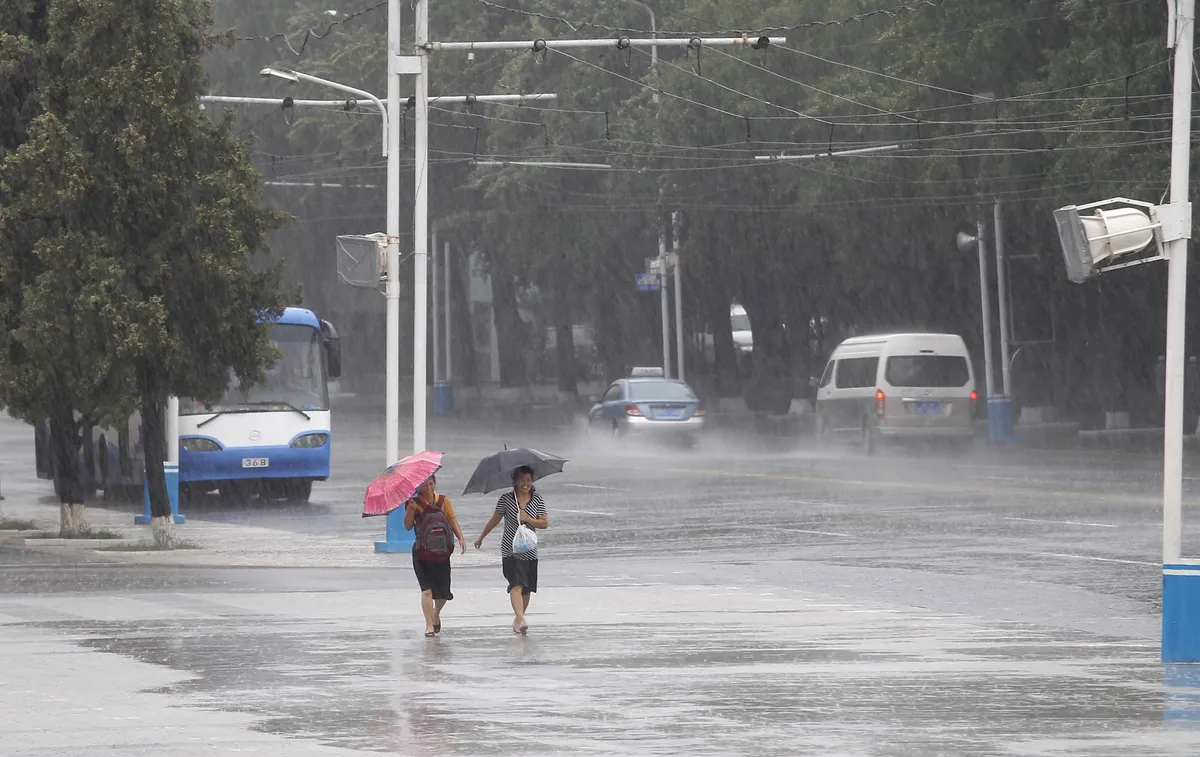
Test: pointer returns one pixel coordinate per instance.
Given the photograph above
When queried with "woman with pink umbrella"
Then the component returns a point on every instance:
(412, 483)
(432, 516)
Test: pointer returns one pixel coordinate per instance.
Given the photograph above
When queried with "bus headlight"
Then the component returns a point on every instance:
(197, 444)
(310, 441)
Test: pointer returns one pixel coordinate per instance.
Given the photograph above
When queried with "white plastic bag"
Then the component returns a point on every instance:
(524, 540)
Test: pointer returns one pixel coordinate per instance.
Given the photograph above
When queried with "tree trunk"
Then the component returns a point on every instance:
(64, 449)
(510, 329)
(154, 443)
(564, 337)
(725, 357)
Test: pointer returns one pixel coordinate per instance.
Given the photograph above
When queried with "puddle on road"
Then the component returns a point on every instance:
(680, 686)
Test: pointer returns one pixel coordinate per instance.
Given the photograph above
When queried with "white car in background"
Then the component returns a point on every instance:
(743, 336)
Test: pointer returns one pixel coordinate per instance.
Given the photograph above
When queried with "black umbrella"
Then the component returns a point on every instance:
(495, 471)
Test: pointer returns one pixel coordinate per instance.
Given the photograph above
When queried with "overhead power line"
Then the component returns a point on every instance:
(914, 6)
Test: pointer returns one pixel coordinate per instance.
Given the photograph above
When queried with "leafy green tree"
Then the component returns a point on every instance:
(144, 215)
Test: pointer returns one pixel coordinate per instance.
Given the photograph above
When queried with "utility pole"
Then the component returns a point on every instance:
(1002, 295)
(985, 304)
(1181, 581)
(420, 226)
(663, 278)
(678, 294)
(448, 375)
(437, 315)
(392, 291)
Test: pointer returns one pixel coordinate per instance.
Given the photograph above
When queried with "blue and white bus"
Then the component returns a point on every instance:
(272, 439)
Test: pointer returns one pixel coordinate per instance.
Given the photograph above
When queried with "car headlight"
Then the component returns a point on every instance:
(310, 441)
(197, 444)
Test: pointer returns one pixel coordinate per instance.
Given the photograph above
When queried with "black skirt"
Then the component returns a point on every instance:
(521, 573)
(433, 576)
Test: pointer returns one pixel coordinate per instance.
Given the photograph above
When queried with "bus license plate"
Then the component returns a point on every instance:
(256, 462)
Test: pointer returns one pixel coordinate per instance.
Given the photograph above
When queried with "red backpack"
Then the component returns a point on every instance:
(435, 537)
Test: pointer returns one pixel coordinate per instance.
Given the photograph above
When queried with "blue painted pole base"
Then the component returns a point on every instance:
(399, 539)
(171, 470)
(443, 398)
(1000, 420)
(1181, 694)
(1181, 612)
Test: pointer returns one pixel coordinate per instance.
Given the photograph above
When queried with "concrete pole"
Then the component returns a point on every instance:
(1176, 252)
(392, 369)
(421, 228)
(437, 312)
(678, 295)
(666, 310)
(1002, 296)
(986, 305)
(449, 339)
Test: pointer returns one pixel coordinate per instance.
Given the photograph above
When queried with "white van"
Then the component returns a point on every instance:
(739, 322)
(896, 387)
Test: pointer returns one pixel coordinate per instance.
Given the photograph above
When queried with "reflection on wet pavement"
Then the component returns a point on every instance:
(651, 669)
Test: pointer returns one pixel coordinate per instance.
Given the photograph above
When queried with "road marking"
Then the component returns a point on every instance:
(594, 486)
(583, 512)
(818, 533)
(1065, 522)
(1098, 559)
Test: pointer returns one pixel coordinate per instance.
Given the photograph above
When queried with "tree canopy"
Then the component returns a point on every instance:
(129, 224)
(1034, 104)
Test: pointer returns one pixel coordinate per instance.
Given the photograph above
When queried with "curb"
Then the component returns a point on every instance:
(80, 543)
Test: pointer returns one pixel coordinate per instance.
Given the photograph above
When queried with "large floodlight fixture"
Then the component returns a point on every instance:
(1114, 230)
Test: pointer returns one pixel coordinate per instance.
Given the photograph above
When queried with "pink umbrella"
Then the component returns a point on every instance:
(400, 482)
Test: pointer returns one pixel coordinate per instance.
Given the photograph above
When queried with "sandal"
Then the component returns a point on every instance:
(430, 634)
(437, 627)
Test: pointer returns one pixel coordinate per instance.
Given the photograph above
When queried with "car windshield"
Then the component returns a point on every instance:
(740, 322)
(928, 371)
(660, 391)
(295, 381)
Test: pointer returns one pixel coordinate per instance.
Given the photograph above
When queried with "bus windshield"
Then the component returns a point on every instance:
(295, 381)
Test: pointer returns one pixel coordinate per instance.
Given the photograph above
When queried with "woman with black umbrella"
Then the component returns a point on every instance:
(521, 506)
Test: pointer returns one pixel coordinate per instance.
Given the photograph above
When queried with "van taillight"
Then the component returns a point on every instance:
(974, 396)
(880, 401)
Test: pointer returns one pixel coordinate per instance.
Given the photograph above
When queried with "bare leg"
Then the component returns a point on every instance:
(525, 603)
(438, 604)
(518, 605)
(427, 610)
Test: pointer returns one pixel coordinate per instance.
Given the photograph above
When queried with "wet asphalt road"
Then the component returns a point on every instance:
(750, 596)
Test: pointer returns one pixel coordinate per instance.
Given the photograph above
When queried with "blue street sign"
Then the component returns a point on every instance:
(648, 282)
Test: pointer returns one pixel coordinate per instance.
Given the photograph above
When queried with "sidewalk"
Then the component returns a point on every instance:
(217, 544)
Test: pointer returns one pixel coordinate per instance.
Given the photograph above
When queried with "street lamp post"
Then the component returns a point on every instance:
(295, 77)
(391, 149)
(965, 243)
(420, 218)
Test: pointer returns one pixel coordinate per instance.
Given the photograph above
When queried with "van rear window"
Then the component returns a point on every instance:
(931, 371)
